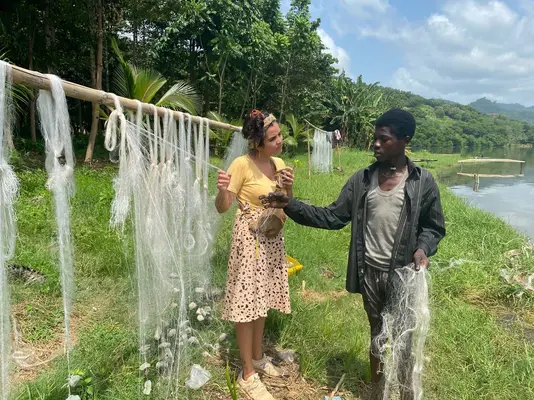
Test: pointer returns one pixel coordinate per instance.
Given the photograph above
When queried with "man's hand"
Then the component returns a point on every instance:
(420, 260)
(223, 180)
(275, 200)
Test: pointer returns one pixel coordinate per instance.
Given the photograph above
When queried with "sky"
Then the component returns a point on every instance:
(458, 50)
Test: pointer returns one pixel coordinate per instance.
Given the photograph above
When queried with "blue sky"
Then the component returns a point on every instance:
(458, 50)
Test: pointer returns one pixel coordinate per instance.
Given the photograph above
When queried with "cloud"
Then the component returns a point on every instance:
(365, 8)
(467, 50)
(336, 51)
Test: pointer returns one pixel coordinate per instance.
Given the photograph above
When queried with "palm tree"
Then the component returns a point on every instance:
(144, 84)
(21, 96)
(298, 133)
(221, 137)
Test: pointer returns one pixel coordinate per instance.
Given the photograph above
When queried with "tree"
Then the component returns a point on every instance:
(97, 75)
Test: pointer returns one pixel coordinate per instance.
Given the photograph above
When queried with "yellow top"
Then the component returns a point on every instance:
(247, 181)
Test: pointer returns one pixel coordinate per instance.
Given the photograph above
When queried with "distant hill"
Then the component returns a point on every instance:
(444, 124)
(516, 111)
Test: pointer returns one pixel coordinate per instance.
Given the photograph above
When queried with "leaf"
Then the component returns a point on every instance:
(147, 84)
(181, 96)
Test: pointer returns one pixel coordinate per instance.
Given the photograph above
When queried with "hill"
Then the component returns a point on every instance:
(516, 111)
(444, 124)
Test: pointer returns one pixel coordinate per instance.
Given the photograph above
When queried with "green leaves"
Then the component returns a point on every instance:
(144, 84)
(181, 96)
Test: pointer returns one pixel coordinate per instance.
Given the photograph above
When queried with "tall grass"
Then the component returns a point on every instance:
(470, 353)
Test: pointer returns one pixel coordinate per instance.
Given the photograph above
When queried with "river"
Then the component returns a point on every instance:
(512, 199)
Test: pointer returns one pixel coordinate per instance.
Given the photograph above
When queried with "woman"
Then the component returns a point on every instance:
(257, 269)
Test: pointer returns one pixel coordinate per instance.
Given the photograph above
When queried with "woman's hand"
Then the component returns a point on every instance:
(223, 180)
(287, 177)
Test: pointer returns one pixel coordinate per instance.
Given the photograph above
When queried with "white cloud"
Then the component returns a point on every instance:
(365, 8)
(338, 52)
(468, 50)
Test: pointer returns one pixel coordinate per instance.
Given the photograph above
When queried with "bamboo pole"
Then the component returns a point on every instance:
(490, 175)
(488, 160)
(37, 80)
(309, 157)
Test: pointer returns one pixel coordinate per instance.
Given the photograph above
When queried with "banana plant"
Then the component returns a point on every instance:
(296, 134)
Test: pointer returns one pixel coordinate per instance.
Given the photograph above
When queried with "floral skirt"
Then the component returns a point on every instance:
(257, 278)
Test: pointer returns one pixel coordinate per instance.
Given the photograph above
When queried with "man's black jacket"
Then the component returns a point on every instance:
(421, 222)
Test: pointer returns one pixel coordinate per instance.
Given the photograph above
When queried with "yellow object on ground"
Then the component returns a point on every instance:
(293, 266)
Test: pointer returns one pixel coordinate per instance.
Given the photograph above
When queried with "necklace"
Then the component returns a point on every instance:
(393, 173)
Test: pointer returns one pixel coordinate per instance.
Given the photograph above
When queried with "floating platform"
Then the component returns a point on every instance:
(491, 160)
(490, 175)
(480, 160)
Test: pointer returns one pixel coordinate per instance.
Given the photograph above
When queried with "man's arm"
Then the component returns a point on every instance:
(431, 220)
(336, 216)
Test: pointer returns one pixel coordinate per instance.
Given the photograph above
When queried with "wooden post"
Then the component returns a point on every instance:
(309, 157)
(521, 168)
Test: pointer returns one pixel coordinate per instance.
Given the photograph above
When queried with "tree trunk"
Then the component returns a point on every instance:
(31, 41)
(221, 81)
(284, 87)
(246, 96)
(98, 83)
(47, 32)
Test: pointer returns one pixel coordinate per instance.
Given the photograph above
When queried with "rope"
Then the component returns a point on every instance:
(313, 126)
(115, 119)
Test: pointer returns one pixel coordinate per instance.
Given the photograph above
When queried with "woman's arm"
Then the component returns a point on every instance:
(224, 198)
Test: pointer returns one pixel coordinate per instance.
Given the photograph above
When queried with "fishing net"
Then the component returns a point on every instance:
(322, 154)
(162, 188)
(404, 330)
(8, 191)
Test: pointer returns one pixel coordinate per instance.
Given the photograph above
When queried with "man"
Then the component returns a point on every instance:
(396, 216)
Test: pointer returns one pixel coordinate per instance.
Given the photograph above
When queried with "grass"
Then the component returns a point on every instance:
(471, 353)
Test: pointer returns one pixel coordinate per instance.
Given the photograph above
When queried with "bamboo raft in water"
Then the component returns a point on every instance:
(488, 160)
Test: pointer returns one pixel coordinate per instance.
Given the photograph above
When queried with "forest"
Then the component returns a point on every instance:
(218, 58)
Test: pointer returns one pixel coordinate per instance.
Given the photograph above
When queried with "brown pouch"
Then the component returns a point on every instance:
(269, 223)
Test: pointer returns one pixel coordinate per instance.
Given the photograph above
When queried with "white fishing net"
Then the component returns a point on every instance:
(238, 147)
(405, 327)
(322, 153)
(8, 191)
(55, 127)
(162, 186)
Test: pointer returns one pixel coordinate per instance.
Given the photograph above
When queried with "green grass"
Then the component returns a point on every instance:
(471, 355)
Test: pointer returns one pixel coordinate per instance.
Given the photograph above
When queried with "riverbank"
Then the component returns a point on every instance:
(479, 344)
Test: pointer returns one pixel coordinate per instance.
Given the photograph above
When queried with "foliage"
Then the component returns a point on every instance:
(144, 84)
(80, 384)
(354, 106)
(297, 134)
(516, 111)
(447, 125)
(228, 56)
(464, 299)
(231, 382)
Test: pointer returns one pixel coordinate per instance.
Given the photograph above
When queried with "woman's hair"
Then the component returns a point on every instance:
(254, 126)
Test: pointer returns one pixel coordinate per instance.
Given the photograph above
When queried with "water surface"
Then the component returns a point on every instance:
(512, 199)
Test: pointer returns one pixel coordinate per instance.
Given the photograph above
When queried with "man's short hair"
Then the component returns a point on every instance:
(400, 122)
